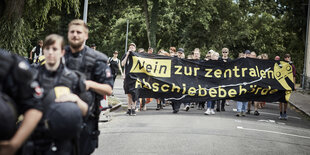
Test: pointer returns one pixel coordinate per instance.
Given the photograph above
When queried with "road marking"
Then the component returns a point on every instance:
(275, 132)
(273, 114)
(278, 115)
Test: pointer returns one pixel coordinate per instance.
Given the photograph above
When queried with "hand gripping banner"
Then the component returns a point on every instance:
(183, 80)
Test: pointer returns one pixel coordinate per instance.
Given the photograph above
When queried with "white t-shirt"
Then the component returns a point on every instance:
(35, 55)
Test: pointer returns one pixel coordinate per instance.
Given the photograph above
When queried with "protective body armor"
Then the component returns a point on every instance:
(61, 121)
(85, 62)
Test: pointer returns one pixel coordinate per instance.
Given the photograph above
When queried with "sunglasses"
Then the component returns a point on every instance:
(224, 52)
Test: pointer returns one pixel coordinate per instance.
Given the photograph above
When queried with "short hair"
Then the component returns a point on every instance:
(173, 49)
(225, 50)
(287, 55)
(79, 22)
(40, 41)
(51, 39)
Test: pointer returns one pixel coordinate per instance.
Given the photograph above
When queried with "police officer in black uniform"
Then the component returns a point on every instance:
(99, 80)
(58, 131)
(17, 85)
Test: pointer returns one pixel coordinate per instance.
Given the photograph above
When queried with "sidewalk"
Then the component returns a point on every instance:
(301, 101)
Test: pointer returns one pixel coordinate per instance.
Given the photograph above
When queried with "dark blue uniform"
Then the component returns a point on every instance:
(93, 65)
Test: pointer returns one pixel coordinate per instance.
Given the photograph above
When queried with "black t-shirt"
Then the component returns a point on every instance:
(114, 65)
(225, 60)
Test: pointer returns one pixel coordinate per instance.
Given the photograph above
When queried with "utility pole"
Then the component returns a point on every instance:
(85, 11)
(306, 70)
(126, 36)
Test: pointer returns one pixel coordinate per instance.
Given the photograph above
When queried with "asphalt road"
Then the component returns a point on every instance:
(192, 132)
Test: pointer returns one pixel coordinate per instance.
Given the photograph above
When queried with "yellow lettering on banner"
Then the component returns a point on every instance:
(273, 91)
(265, 91)
(151, 67)
(200, 91)
(257, 71)
(138, 83)
(252, 72)
(218, 73)
(146, 84)
(175, 87)
(242, 90)
(225, 73)
(212, 92)
(258, 88)
(208, 72)
(232, 92)
(184, 88)
(187, 70)
(243, 71)
(270, 74)
(236, 69)
(61, 90)
(263, 73)
(221, 90)
(191, 91)
(195, 70)
(177, 72)
(163, 88)
(155, 87)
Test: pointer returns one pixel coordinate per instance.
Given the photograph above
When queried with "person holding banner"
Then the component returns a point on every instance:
(131, 109)
(224, 58)
(283, 115)
(211, 104)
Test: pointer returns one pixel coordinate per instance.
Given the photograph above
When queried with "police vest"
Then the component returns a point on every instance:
(86, 61)
(8, 117)
(60, 120)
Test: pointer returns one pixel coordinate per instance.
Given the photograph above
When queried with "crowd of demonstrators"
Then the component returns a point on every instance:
(242, 107)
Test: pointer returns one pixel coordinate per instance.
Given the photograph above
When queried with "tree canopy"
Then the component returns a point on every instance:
(274, 27)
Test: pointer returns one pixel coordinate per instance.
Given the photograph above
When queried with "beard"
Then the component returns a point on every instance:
(76, 45)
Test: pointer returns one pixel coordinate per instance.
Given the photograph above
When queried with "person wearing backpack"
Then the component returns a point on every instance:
(115, 65)
(36, 52)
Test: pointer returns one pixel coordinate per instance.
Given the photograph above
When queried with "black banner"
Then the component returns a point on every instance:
(183, 80)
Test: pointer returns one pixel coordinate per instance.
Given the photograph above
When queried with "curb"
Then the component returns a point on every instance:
(300, 109)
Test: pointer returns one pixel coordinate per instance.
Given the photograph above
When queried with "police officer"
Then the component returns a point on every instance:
(64, 119)
(99, 80)
(16, 81)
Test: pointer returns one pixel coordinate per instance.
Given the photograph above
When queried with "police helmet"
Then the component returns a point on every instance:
(8, 117)
(63, 120)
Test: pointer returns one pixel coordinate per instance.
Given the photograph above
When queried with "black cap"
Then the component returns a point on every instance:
(247, 52)
(181, 50)
(93, 45)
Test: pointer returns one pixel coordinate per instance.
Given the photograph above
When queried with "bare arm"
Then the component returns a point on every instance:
(30, 55)
(74, 98)
(31, 119)
(120, 68)
(100, 88)
(125, 59)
